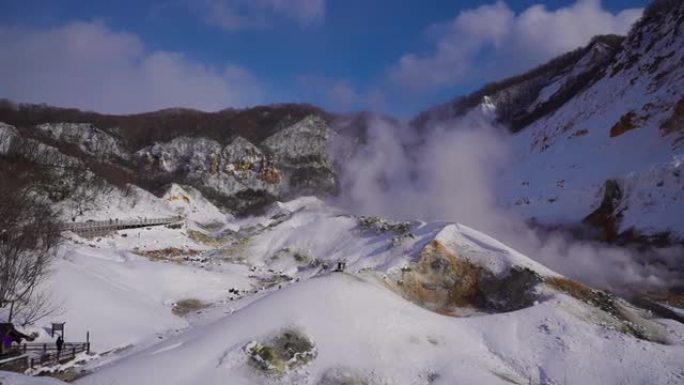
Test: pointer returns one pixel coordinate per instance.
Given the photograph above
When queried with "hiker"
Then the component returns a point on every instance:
(60, 344)
(341, 265)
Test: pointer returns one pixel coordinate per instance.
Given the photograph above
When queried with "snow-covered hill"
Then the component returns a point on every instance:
(257, 300)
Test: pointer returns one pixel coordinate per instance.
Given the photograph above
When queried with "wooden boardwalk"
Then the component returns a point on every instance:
(30, 355)
(47, 354)
(118, 224)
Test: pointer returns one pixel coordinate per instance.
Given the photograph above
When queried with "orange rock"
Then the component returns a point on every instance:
(270, 175)
(441, 281)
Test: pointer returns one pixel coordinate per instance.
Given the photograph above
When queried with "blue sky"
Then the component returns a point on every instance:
(394, 56)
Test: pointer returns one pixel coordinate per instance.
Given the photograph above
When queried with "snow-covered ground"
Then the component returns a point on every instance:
(259, 277)
(361, 327)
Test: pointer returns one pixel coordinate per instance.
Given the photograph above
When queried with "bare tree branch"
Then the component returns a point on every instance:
(28, 235)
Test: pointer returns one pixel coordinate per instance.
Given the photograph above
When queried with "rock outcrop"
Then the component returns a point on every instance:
(243, 175)
(444, 282)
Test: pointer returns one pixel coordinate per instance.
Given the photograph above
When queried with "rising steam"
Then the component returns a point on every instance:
(450, 174)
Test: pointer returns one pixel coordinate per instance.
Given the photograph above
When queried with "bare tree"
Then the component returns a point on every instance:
(28, 233)
(40, 305)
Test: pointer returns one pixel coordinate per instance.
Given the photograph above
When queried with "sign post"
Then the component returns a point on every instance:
(57, 327)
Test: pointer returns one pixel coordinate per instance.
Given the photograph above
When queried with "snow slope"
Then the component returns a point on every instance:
(369, 331)
(275, 272)
(614, 129)
(122, 298)
(611, 111)
(121, 287)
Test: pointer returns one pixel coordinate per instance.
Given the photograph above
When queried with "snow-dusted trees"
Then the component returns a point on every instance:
(28, 237)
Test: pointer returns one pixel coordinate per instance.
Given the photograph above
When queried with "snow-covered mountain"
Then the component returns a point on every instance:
(596, 139)
(258, 300)
(603, 121)
(267, 282)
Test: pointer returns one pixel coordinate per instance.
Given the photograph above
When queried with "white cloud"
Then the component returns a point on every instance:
(512, 42)
(343, 94)
(245, 14)
(339, 94)
(89, 66)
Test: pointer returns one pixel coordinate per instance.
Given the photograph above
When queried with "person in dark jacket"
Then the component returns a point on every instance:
(60, 344)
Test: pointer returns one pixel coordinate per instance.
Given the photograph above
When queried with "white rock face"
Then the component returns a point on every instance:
(278, 167)
(87, 137)
(182, 154)
(304, 142)
(7, 134)
(190, 203)
(241, 150)
(243, 175)
(33, 149)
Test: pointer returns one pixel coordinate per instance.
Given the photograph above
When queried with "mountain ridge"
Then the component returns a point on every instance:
(547, 109)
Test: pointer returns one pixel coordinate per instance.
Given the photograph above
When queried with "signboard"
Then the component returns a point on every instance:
(58, 327)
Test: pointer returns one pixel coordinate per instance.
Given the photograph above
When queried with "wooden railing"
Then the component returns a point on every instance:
(14, 363)
(118, 224)
(28, 355)
(44, 354)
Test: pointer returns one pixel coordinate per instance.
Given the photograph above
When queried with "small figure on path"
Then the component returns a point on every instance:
(341, 265)
(60, 344)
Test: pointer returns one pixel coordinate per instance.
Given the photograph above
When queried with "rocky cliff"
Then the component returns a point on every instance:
(285, 156)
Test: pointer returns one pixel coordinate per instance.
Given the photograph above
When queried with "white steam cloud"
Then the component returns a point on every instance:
(451, 175)
(396, 176)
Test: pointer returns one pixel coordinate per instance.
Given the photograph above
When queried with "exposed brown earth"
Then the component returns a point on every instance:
(445, 282)
(188, 305)
(626, 123)
(270, 175)
(628, 321)
(169, 254)
(607, 217)
(440, 280)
